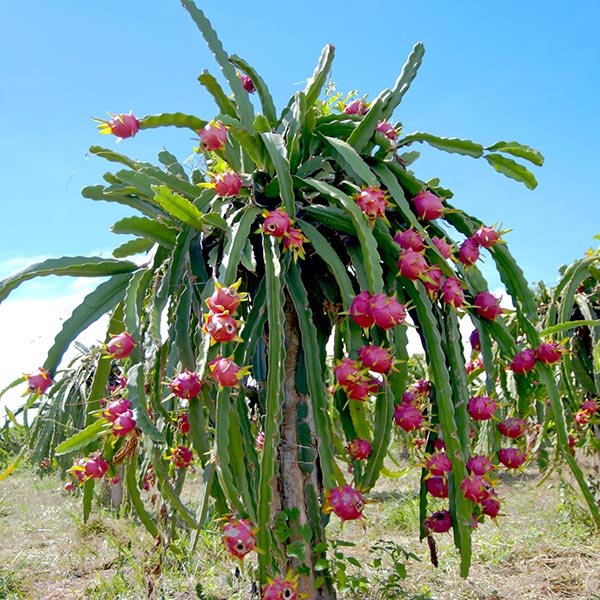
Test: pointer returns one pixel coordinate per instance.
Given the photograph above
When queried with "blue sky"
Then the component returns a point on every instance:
(525, 71)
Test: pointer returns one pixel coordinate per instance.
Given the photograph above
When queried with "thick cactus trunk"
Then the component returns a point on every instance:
(299, 485)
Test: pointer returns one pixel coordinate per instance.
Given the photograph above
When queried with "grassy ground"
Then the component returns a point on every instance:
(544, 548)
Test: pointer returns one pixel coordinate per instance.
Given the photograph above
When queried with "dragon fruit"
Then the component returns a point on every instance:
(183, 424)
(440, 521)
(548, 352)
(226, 372)
(444, 248)
(123, 126)
(356, 107)
(409, 239)
(512, 427)
(239, 537)
(347, 372)
(186, 385)
(452, 293)
(428, 206)
(359, 449)
(481, 408)
(226, 184)
(479, 465)
(281, 589)
(433, 279)
(121, 345)
(486, 236)
(362, 389)
(123, 424)
(490, 506)
(523, 362)
(476, 488)
(437, 486)
(277, 223)
(412, 264)
(346, 502)
(408, 417)
(39, 381)
(213, 136)
(221, 327)
(225, 299)
(438, 463)
(376, 358)
(360, 309)
(91, 467)
(372, 202)
(386, 311)
(182, 456)
(511, 458)
(468, 253)
(293, 241)
(487, 305)
(387, 129)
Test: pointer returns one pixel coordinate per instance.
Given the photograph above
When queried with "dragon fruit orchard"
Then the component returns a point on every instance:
(261, 365)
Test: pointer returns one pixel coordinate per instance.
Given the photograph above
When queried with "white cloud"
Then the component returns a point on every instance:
(29, 325)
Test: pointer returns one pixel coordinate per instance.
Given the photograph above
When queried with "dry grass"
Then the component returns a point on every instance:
(543, 549)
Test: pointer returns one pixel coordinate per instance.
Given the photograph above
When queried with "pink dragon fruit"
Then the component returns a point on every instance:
(221, 327)
(589, 406)
(346, 502)
(186, 385)
(213, 136)
(386, 311)
(360, 309)
(476, 488)
(468, 253)
(183, 424)
(123, 126)
(438, 463)
(226, 372)
(523, 362)
(439, 522)
(225, 299)
(439, 444)
(239, 537)
(120, 346)
(437, 486)
(359, 449)
(487, 305)
(347, 372)
(91, 467)
(362, 389)
(428, 205)
(260, 441)
(387, 129)
(39, 381)
(433, 279)
(511, 458)
(277, 223)
(479, 465)
(115, 408)
(181, 456)
(486, 236)
(421, 388)
(409, 239)
(372, 202)
(356, 107)
(408, 416)
(548, 353)
(444, 248)
(226, 184)
(452, 293)
(481, 408)
(282, 589)
(376, 358)
(512, 427)
(123, 424)
(490, 506)
(412, 264)
(473, 365)
(247, 83)
(293, 241)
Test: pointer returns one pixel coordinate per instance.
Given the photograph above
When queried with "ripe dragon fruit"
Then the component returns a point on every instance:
(123, 126)
(181, 456)
(440, 521)
(356, 107)
(511, 458)
(433, 279)
(548, 352)
(444, 248)
(123, 424)
(523, 362)
(183, 424)
(293, 241)
(115, 408)
(476, 488)
(479, 465)
(221, 327)
(226, 372)
(486, 236)
(386, 311)
(39, 381)
(247, 83)
(512, 427)
(437, 486)
(227, 184)
(428, 206)
(408, 416)
(213, 136)
(277, 223)
(347, 372)
(438, 463)
(346, 502)
(120, 346)
(490, 506)
(239, 537)
(376, 358)
(225, 299)
(372, 202)
(589, 406)
(409, 239)
(481, 408)
(91, 467)
(468, 253)
(360, 310)
(186, 385)
(363, 388)
(387, 129)
(359, 449)
(281, 589)
(452, 293)
(487, 305)
(412, 264)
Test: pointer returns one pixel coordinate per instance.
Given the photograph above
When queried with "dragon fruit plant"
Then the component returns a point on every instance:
(293, 228)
